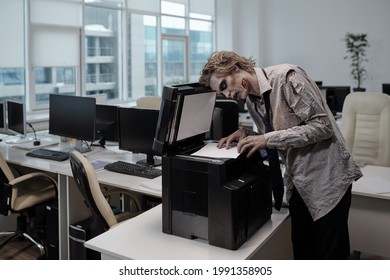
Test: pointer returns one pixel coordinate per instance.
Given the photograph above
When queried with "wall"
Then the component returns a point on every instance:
(310, 33)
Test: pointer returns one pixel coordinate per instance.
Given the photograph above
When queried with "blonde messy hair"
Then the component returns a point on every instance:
(224, 63)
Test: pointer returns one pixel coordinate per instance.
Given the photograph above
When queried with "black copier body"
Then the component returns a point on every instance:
(223, 201)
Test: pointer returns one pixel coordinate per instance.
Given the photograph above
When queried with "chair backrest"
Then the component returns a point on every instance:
(85, 177)
(149, 102)
(365, 125)
(6, 174)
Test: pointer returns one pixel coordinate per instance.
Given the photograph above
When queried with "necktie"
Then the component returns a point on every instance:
(273, 159)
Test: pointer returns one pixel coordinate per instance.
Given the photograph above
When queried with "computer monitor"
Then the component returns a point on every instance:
(73, 117)
(386, 88)
(16, 121)
(225, 118)
(3, 125)
(106, 123)
(242, 105)
(185, 118)
(335, 96)
(137, 128)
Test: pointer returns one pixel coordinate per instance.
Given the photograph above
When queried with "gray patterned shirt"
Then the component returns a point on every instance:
(307, 137)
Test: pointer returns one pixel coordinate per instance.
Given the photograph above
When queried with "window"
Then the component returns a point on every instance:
(123, 48)
(174, 60)
(201, 46)
(142, 56)
(103, 48)
(12, 76)
(12, 66)
(184, 56)
(66, 75)
(43, 75)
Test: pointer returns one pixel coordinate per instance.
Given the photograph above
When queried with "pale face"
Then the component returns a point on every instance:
(234, 86)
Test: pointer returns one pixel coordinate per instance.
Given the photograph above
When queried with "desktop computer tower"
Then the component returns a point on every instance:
(223, 201)
(52, 246)
(79, 233)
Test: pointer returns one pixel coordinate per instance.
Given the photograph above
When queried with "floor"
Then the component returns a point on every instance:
(19, 250)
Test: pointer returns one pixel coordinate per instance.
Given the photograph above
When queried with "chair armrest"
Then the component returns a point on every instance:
(33, 175)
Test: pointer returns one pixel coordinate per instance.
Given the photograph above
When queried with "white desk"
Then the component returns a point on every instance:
(369, 217)
(369, 225)
(142, 238)
(62, 171)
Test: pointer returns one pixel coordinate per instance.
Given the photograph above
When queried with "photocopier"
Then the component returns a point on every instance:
(222, 200)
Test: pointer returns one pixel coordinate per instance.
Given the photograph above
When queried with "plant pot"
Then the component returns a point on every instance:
(359, 89)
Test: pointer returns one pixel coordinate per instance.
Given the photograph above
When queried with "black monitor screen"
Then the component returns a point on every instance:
(386, 88)
(335, 96)
(16, 117)
(2, 115)
(72, 116)
(137, 128)
(106, 123)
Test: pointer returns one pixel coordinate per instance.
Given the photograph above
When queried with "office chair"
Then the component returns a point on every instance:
(149, 102)
(22, 194)
(102, 215)
(225, 118)
(365, 125)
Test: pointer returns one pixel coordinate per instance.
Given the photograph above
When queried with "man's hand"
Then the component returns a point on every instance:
(251, 144)
(234, 137)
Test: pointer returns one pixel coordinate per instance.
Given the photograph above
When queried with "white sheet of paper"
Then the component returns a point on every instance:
(99, 164)
(211, 150)
(373, 184)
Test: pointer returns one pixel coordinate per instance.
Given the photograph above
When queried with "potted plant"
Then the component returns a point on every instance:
(356, 45)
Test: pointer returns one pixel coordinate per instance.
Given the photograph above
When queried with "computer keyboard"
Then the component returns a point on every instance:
(133, 169)
(48, 154)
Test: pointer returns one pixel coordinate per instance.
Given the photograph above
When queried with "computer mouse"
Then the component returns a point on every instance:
(37, 143)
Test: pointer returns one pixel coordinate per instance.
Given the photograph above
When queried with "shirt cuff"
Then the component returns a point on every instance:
(272, 139)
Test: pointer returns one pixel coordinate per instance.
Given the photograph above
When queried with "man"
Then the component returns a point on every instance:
(319, 169)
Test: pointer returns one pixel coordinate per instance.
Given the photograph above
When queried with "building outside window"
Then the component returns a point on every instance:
(103, 48)
(122, 48)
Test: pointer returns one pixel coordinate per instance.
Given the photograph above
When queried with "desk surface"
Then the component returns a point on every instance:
(128, 241)
(369, 215)
(15, 155)
(68, 207)
(374, 183)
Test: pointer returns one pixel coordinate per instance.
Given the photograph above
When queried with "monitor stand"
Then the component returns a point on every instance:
(102, 141)
(81, 147)
(149, 161)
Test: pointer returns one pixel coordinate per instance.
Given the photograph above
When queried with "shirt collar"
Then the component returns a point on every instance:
(262, 80)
